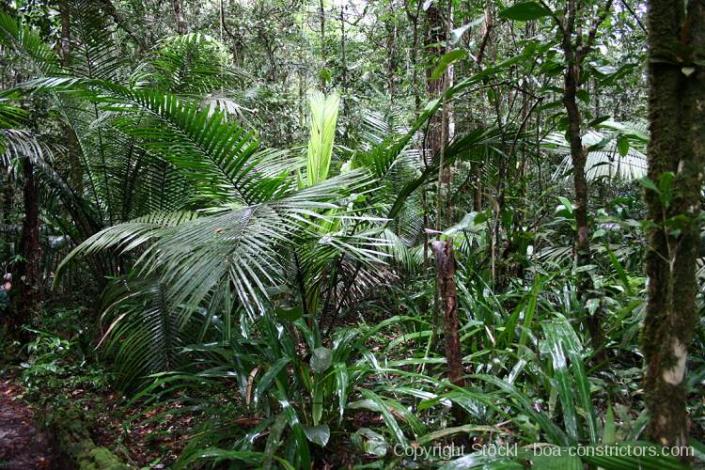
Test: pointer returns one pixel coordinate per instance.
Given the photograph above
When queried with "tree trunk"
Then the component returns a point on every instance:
(65, 43)
(445, 270)
(414, 19)
(73, 148)
(434, 40)
(324, 59)
(28, 298)
(391, 27)
(6, 208)
(344, 75)
(181, 25)
(677, 124)
(574, 55)
(578, 156)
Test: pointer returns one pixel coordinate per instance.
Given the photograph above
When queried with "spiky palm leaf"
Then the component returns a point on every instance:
(236, 244)
(27, 44)
(609, 153)
(145, 333)
(191, 64)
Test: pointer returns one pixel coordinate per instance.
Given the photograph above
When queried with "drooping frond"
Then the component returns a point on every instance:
(609, 153)
(473, 146)
(10, 115)
(189, 64)
(145, 333)
(94, 54)
(28, 44)
(236, 244)
(383, 156)
(18, 143)
(216, 155)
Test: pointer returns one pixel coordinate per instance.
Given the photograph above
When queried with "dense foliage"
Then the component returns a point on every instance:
(341, 234)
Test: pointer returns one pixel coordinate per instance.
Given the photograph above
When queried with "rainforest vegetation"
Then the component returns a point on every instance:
(296, 234)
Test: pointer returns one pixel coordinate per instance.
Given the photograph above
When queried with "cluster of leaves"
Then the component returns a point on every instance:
(231, 265)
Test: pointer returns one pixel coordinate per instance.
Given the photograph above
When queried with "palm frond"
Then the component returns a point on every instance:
(604, 160)
(28, 44)
(216, 155)
(324, 116)
(239, 245)
(145, 333)
(191, 64)
(94, 54)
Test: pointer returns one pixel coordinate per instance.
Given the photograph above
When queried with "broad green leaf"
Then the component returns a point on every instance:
(266, 381)
(341, 388)
(370, 442)
(321, 359)
(289, 313)
(648, 184)
(561, 380)
(319, 435)
(324, 116)
(300, 449)
(377, 404)
(623, 145)
(567, 204)
(445, 61)
(557, 462)
(525, 11)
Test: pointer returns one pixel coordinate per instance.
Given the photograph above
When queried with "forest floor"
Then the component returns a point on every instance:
(22, 444)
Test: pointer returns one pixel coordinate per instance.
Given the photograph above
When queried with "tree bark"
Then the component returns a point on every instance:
(445, 270)
(414, 19)
(391, 27)
(65, 43)
(28, 298)
(575, 53)
(8, 195)
(434, 40)
(344, 75)
(677, 125)
(324, 58)
(73, 148)
(181, 25)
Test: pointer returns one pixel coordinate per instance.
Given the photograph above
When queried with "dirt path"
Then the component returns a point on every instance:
(22, 446)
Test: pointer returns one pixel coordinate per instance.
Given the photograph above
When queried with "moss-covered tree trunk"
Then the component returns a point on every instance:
(677, 151)
(28, 298)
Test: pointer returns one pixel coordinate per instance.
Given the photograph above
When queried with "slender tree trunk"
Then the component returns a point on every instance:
(677, 125)
(344, 77)
(435, 38)
(324, 58)
(7, 203)
(181, 25)
(437, 135)
(575, 53)
(65, 43)
(72, 146)
(414, 18)
(578, 155)
(391, 27)
(445, 271)
(28, 298)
